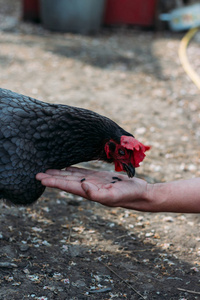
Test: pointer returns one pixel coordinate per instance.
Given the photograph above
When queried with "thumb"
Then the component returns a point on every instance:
(90, 189)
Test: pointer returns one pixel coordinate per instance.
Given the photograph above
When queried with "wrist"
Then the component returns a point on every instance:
(156, 197)
(164, 197)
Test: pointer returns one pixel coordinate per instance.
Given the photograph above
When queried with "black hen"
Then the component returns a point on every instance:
(36, 136)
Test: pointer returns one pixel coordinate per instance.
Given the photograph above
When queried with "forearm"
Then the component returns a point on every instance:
(176, 196)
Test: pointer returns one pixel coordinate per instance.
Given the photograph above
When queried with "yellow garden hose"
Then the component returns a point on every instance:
(183, 56)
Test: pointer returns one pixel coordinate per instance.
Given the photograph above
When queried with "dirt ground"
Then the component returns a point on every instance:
(64, 247)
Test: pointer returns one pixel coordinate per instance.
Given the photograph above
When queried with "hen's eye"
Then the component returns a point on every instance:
(121, 152)
(112, 146)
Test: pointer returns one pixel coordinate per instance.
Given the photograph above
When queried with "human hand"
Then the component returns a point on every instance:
(107, 188)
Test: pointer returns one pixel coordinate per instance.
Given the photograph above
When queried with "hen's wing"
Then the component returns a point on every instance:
(18, 157)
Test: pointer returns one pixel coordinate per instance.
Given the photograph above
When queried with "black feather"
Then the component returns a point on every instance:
(36, 136)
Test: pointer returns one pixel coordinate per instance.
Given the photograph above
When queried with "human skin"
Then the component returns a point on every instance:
(117, 190)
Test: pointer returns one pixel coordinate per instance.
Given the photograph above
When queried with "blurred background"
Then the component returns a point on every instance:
(119, 58)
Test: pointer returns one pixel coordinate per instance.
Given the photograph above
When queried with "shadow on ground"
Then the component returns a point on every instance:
(65, 247)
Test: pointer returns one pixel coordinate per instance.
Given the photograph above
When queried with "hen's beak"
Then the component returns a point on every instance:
(129, 169)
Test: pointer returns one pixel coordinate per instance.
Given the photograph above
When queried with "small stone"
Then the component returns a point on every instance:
(7, 265)
(168, 219)
(24, 247)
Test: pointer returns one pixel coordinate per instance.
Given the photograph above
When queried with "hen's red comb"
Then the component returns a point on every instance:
(134, 145)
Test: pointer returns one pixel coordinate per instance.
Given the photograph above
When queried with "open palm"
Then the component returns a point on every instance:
(108, 188)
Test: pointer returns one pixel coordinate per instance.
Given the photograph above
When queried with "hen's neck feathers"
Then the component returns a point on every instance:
(77, 135)
(60, 135)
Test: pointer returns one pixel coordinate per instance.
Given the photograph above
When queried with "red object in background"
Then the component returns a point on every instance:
(137, 12)
(31, 10)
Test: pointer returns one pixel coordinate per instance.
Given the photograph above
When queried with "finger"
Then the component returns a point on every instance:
(94, 193)
(67, 178)
(73, 187)
(78, 171)
(69, 172)
(58, 172)
(41, 176)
